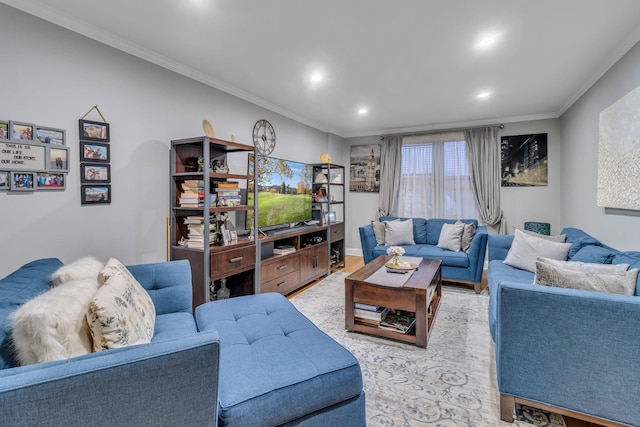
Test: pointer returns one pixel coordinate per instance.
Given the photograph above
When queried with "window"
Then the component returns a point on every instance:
(435, 179)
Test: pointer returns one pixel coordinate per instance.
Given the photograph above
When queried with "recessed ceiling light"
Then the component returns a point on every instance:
(483, 95)
(316, 77)
(362, 111)
(487, 41)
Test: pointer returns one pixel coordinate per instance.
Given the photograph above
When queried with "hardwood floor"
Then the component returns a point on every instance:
(352, 263)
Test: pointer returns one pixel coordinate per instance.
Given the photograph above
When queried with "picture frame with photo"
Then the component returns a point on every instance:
(95, 152)
(51, 181)
(20, 131)
(94, 131)
(95, 194)
(5, 135)
(93, 173)
(58, 159)
(4, 180)
(47, 135)
(22, 181)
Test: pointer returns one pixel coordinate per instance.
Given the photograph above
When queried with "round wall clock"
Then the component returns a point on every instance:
(264, 137)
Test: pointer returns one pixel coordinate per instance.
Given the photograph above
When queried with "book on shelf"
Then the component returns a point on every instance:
(284, 249)
(368, 307)
(372, 316)
(228, 184)
(399, 321)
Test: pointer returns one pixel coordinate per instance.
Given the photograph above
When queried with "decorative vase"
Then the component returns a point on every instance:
(223, 292)
(395, 260)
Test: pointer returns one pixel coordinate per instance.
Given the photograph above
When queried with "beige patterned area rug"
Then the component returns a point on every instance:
(451, 383)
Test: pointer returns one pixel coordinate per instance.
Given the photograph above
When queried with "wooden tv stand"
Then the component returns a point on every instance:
(288, 272)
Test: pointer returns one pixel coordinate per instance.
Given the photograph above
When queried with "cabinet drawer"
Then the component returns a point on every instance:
(278, 267)
(228, 261)
(337, 232)
(282, 285)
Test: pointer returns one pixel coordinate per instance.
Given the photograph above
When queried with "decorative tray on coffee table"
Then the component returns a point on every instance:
(401, 265)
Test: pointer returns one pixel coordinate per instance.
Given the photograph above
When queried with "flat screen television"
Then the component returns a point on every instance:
(284, 192)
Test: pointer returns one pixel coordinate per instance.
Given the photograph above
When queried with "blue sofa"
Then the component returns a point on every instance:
(460, 266)
(570, 349)
(254, 361)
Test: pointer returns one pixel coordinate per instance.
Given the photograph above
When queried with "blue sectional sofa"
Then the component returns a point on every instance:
(253, 361)
(571, 349)
(460, 266)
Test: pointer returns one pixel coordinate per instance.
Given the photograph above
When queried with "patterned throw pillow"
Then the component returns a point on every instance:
(121, 313)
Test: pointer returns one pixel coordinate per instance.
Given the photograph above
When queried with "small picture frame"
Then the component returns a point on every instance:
(22, 181)
(233, 234)
(94, 131)
(5, 135)
(93, 173)
(53, 136)
(331, 216)
(95, 194)
(94, 152)
(19, 131)
(51, 181)
(4, 180)
(58, 159)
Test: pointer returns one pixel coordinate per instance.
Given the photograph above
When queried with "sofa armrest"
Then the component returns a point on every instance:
(173, 382)
(368, 242)
(499, 245)
(477, 253)
(570, 348)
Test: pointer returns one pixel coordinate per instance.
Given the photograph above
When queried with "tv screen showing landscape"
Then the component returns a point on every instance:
(284, 192)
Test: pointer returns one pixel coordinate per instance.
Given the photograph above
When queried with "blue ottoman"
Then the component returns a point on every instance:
(276, 367)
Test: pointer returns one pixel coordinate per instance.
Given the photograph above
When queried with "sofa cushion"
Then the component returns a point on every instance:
(559, 238)
(525, 249)
(451, 237)
(590, 277)
(434, 226)
(173, 325)
(121, 313)
(398, 233)
(448, 258)
(15, 289)
(378, 231)
(419, 227)
(275, 364)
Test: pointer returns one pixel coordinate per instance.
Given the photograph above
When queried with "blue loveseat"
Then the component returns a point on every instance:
(253, 361)
(570, 349)
(460, 266)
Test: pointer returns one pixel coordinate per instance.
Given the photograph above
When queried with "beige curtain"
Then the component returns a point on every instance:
(483, 151)
(390, 173)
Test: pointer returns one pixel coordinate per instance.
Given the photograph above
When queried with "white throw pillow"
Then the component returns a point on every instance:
(611, 280)
(121, 313)
(526, 249)
(398, 232)
(52, 325)
(588, 267)
(451, 237)
(560, 238)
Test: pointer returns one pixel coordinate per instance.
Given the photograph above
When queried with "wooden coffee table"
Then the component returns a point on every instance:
(412, 296)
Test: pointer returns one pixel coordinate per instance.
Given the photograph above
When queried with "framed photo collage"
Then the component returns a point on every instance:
(95, 162)
(32, 157)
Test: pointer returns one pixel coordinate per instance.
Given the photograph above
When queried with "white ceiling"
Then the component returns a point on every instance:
(412, 63)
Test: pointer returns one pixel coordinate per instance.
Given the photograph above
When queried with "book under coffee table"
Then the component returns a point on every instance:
(420, 294)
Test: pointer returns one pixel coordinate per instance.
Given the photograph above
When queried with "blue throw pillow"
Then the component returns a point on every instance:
(594, 254)
(581, 242)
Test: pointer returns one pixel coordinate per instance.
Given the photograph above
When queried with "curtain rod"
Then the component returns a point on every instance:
(500, 126)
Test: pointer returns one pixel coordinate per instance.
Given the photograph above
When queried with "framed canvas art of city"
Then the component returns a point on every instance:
(365, 168)
(524, 160)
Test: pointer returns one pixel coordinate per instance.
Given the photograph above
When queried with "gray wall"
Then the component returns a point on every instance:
(580, 158)
(52, 77)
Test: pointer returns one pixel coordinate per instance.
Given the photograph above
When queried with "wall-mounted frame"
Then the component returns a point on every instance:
(23, 181)
(94, 152)
(4, 131)
(48, 135)
(51, 181)
(23, 156)
(20, 131)
(93, 173)
(4, 180)
(95, 194)
(58, 159)
(94, 131)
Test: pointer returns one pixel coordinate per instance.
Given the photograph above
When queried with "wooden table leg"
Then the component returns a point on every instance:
(421, 319)
(348, 306)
